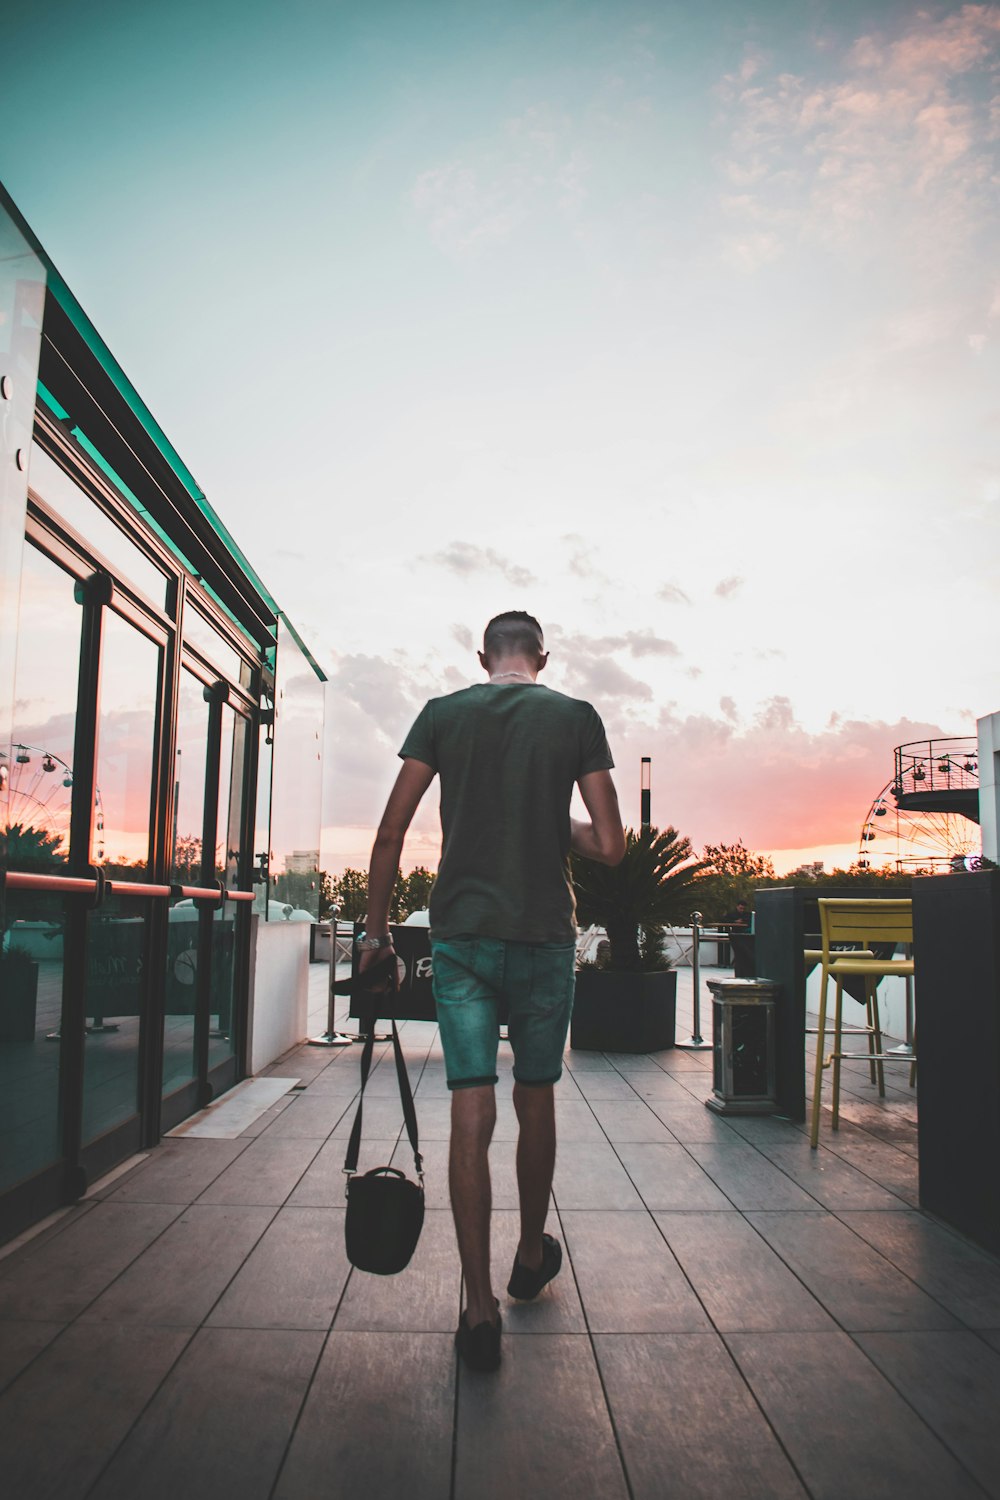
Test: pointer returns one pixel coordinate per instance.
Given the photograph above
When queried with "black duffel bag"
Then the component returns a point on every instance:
(385, 1210)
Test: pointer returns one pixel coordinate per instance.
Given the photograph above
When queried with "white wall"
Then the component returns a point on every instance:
(280, 1004)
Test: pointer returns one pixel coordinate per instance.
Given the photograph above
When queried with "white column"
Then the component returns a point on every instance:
(988, 730)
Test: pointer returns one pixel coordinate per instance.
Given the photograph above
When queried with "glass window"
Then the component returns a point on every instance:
(185, 869)
(31, 987)
(94, 526)
(40, 755)
(207, 640)
(31, 944)
(297, 785)
(130, 682)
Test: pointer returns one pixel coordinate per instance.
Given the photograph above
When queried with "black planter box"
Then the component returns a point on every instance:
(616, 1012)
(18, 1002)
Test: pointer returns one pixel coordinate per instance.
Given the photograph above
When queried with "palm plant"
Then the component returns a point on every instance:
(652, 885)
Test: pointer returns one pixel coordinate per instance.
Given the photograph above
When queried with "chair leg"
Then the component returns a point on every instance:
(872, 987)
(837, 1047)
(818, 1078)
(913, 1059)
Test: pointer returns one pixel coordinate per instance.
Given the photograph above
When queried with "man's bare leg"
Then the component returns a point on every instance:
(536, 1160)
(473, 1116)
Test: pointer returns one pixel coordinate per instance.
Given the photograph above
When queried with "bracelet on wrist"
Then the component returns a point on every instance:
(368, 944)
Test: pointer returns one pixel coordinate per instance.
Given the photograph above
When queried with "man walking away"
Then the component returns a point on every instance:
(509, 753)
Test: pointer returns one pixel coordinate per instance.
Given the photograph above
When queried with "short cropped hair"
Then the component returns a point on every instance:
(515, 633)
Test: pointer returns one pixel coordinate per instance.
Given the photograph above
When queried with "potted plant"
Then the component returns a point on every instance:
(18, 995)
(627, 1000)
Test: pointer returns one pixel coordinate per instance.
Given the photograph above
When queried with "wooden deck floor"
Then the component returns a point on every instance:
(736, 1315)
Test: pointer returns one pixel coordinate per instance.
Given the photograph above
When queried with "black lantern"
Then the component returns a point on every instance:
(743, 1052)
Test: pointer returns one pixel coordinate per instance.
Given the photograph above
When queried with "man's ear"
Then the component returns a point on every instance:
(482, 661)
(543, 657)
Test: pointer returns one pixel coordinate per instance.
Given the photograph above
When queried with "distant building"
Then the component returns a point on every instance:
(302, 862)
(809, 871)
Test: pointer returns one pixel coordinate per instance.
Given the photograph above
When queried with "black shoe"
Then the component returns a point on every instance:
(480, 1346)
(525, 1284)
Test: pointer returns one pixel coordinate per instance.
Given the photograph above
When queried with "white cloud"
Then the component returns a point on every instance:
(466, 559)
(905, 122)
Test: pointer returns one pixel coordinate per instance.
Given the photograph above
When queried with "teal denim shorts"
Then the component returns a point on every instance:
(474, 977)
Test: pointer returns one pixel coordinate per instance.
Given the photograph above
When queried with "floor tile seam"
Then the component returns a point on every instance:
(777, 1165)
(181, 1210)
(908, 1403)
(293, 1429)
(61, 1220)
(817, 1294)
(758, 1403)
(589, 1335)
(319, 1146)
(948, 1311)
(274, 1212)
(110, 1457)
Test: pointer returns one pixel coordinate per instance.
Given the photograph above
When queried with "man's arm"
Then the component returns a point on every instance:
(412, 782)
(603, 838)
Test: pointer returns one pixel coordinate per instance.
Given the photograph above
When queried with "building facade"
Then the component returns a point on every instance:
(160, 768)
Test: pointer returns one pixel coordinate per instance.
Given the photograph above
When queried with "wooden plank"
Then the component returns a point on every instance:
(828, 1179)
(743, 1284)
(313, 1115)
(576, 1120)
(628, 1278)
(747, 1178)
(377, 1420)
(293, 1278)
(537, 1426)
(961, 1277)
(265, 1173)
(220, 1423)
(75, 1404)
(593, 1177)
(665, 1177)
(844, 1427)
(422, 1299)
(610, 1085)
(177, 1171)
(855, 1284)
(953, 1381)
(692, 1122)
(54, 1281)
(176, 1282)
(687, 1424)
(629, 1121)
(893, 1169)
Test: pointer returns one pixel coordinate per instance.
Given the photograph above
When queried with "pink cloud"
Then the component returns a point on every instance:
(771, 782)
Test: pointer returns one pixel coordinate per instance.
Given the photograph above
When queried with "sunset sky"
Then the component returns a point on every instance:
(678, 326)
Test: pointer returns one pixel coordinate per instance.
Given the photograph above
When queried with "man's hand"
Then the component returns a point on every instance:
(603, 838)
(369, 957)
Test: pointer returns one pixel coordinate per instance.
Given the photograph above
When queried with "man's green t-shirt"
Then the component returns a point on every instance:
(508, 756)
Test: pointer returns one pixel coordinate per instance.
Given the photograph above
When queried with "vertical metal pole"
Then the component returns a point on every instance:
(645, 775)
(331, 1037)
(696, 1042)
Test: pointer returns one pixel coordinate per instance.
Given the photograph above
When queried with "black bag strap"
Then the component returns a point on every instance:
(368, 1017)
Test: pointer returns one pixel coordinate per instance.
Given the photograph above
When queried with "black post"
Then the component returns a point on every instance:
(645, 776)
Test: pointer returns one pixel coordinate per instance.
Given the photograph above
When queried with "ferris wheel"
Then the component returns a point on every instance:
(926, 819)
(40, 798)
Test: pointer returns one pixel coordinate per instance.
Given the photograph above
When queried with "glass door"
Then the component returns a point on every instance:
(117, 990)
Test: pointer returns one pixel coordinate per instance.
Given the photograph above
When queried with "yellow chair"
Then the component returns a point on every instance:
(867, 923)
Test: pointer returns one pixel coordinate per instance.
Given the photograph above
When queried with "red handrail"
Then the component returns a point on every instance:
(76, 885)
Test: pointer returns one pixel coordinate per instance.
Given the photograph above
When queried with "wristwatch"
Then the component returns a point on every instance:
(367, 944)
